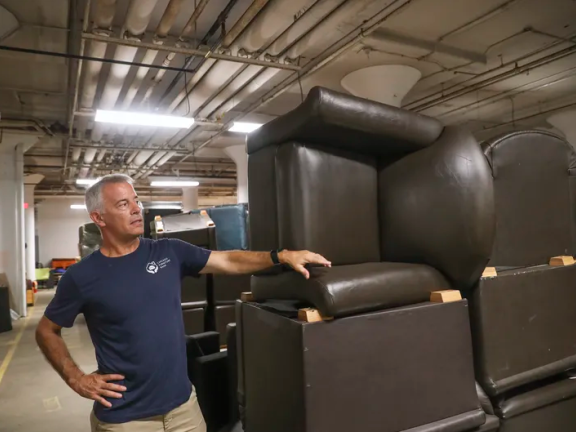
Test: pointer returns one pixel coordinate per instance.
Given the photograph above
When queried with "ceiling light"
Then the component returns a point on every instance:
(86, 182)
(174, 183)
(244, 127)
(143, 119)
(78, 206)
(164, 207)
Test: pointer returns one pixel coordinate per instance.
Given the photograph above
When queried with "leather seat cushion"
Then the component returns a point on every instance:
(353, 289)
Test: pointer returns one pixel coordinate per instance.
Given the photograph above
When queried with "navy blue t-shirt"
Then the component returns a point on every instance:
(132, 309)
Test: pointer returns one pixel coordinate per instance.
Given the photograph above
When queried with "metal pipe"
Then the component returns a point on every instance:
(192, 52)
(517, 70)
(334, 51)
(138, 16)
(104, 13)
(512, 92)
(488, 72)
(255, 7)
(189, 27)
(538, 114)
(168, 18)
(79, 73)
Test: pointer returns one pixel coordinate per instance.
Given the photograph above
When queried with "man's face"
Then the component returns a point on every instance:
(122, 215)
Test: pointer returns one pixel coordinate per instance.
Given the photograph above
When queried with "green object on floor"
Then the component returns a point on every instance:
(42, 274)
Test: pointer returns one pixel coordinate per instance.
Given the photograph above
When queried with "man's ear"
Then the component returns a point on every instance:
(97, 219)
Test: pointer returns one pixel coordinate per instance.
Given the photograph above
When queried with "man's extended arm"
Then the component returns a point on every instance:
(92, 386)
(246, 262)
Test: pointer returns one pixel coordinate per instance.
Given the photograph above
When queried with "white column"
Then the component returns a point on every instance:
(189, 199)
(566, 122)
(238, 154)
(30, 232)
(12, 256)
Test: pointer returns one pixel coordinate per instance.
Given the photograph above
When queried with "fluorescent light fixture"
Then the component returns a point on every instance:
(165, 207)
(244, 127)
(143, 119)
(174, 183)
(78, 206)
(86, 182)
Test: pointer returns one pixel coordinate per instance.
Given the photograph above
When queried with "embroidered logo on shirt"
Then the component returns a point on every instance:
(153, 268)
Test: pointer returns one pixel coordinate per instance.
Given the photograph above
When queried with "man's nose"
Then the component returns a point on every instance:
(135, 208)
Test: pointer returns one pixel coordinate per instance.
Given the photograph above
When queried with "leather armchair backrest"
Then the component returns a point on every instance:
(347, 122)
(327, 202)
(437, 208)
(534, 196)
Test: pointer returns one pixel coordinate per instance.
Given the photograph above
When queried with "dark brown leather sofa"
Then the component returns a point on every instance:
(402, 206)
(523, 319)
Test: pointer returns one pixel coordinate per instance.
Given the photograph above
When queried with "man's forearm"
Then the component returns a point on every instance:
(54, 349)
(246, 262)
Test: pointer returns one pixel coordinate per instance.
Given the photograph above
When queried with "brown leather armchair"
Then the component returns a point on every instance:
(402, 206)
(523, 319)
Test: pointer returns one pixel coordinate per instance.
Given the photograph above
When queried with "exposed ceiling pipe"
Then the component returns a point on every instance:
(166, 23)
(328, 55)
(313, 27)
(104, 13)
(137, 19)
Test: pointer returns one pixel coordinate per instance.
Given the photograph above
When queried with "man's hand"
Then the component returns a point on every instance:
(94, 386)
(298, 259)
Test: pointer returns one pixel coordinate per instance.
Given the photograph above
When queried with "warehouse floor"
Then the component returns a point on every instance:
(33, 397)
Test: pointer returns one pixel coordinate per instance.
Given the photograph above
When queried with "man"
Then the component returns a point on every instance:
(134, 316)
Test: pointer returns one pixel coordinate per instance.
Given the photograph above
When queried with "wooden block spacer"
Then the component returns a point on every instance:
(246, 297)
(490, 272)
(559, 261)
(311, 315)
(445, 296)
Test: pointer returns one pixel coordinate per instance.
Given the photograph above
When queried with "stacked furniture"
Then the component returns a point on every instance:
(89, 239)
(231, 234)
(384, 358)
(197, 293)
(523, 316)
(434, 210)
(208, 301)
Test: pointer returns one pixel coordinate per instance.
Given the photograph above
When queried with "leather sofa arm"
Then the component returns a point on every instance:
(353, 289)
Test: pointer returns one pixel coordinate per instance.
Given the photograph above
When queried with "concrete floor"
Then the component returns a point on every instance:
(33, 397)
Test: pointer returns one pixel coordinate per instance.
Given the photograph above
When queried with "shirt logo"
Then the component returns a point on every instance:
(152, 267)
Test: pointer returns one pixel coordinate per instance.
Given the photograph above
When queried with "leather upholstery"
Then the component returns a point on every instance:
(228, 288)
(193, 289)
(312, 186)
(462, 422)
(492, 425)
(523, 402)
(262, 198)
(484, 400)
(331, 376)
(523, 321)
(224, 315)
(193, 318)
(535, 214)
(348, 290)
(437, 208)
(549, 407)
(349, 123)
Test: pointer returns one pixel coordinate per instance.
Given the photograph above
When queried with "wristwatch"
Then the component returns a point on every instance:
(274, 256)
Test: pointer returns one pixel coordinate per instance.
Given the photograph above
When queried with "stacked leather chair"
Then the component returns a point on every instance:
(523, 319)
(89, 239)
(208, 301)
(402, 207)
(196, 292)
(230, 234)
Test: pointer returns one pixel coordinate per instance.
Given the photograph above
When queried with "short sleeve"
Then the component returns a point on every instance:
(66, 304)
(192, 258)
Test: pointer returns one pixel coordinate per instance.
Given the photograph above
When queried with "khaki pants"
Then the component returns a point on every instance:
(185, 418)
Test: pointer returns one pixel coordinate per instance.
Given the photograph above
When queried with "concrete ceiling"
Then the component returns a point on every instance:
(492, 65)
